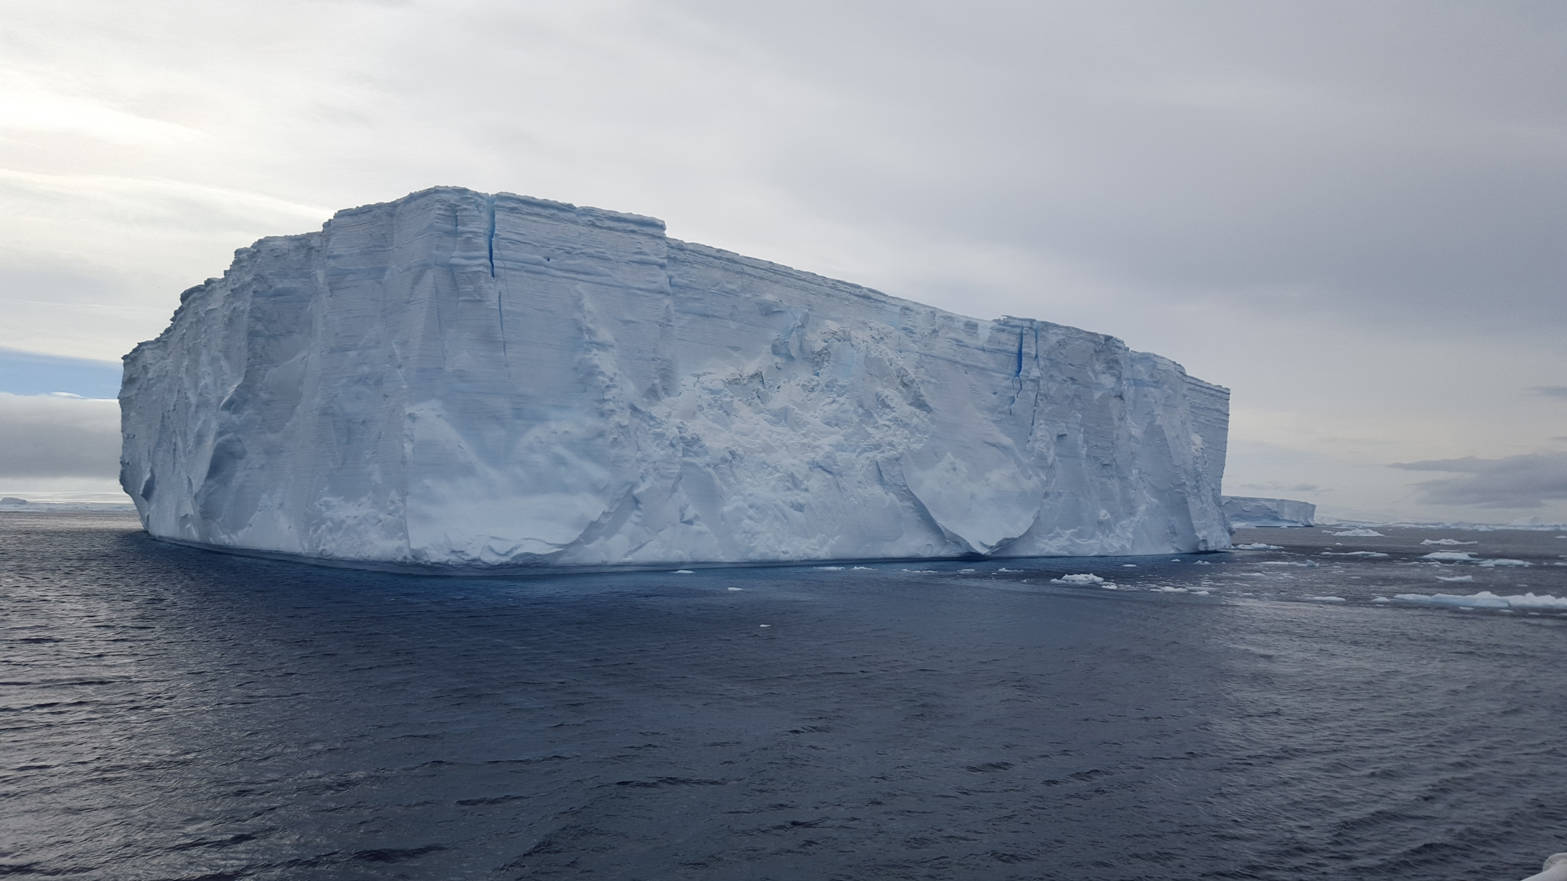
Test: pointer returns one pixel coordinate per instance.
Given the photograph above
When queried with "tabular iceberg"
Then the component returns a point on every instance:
(460, 380)
(1253, 511)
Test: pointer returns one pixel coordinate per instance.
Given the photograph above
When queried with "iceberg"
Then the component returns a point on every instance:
(460, 380)
(1249, 511)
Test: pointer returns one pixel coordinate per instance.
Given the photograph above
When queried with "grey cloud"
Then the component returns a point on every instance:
(1276, 487)
(1254, 153)
(1524, 481)
(46, 436)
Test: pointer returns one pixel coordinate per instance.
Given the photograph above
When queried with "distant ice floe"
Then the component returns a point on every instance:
(735, 588)
(1327, 599)
(1487, 600)
(1503, 561)
(1353, 554)
(1447, 541)
(1359, 532)
(1257, 546)
(1455, 578)
(682, 572)
(829, 568)
(1306, 563)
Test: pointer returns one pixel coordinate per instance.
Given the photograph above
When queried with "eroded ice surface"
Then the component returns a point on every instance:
(469, 380)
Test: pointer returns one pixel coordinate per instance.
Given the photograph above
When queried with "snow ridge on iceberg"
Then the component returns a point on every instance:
(456, 379)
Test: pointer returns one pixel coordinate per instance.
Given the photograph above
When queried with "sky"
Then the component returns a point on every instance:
(1353, 215)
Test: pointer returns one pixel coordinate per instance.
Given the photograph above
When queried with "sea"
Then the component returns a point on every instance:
(1327, 703)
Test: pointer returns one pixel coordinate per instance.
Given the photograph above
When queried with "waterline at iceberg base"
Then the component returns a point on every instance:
(461, 380)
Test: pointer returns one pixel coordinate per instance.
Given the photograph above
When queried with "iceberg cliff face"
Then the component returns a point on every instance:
(457, 379)
(1245, 511)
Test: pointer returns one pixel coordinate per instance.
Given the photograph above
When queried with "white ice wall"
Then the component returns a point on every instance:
(461, 379)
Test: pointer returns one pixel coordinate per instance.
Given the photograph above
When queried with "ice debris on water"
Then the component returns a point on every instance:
(1447, 541)
(1487, 600)
(1257, 546)
(1079, 578)
(1450, 556)
(1358, 532)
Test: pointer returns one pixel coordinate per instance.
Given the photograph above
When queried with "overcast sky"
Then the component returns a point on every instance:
(1352, 214)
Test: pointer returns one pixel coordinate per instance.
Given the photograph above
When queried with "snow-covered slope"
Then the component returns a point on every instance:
(1251, 511)
(460, 379)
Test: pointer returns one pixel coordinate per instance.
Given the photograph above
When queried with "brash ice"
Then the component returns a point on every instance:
(462, 380)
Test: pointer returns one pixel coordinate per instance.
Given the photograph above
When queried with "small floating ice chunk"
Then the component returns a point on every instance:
(1455, 578)
(764, 626)
(1201, 563)
(1128, 565)
(1353, 554)
(1326, 599)
(860, 569)
(1201, 593)
(1359, 532)
(1005, 569)
(1450, 556)
(682, 572)
(829, 568)
(1447, 541)
(965, 571)
(1306, 563)
(1257, 546)
(1079, 578)
(1503, 561)
(735, 588)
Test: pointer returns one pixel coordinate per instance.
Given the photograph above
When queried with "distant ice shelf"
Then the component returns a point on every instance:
(460, 380)
(1244, 511)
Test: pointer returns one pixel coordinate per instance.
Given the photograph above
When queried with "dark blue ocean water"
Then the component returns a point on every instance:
(172, 713)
